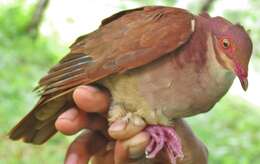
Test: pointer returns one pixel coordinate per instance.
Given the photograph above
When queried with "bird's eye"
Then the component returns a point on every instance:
(225, 43)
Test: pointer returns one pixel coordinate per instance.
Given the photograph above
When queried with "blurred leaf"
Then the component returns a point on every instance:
(230, 131)
(22, 62)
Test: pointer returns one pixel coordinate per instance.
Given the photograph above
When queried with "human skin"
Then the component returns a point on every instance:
(90, 112)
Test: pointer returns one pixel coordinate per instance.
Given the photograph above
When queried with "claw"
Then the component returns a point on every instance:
(162, 136)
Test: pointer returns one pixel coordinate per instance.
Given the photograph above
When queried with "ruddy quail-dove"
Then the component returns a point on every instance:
(159, 64)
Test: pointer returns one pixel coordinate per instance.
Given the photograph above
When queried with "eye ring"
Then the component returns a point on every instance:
(226, 43)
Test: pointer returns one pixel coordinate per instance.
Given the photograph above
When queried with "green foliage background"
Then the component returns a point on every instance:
(231, 130)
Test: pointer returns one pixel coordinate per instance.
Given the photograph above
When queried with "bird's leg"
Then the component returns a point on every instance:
(116, 112)
(163, 136)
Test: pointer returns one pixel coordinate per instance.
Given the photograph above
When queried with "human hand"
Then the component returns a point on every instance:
(90, 113)
(92, 105)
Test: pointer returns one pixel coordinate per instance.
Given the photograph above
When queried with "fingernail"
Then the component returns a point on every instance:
(87, 88)
(136, 146)
(72, 159)
(87, 92)
(118, 126)
(70, 115)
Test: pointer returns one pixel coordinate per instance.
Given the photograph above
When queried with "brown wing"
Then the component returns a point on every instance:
(124, 41)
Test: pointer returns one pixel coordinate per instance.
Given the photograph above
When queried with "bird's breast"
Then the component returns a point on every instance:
(187, 90)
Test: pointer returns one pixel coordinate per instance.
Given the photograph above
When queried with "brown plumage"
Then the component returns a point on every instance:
(99, 54)
(132, 48)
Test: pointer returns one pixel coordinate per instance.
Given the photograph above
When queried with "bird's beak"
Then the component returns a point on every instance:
(241, 73)
(244, 83)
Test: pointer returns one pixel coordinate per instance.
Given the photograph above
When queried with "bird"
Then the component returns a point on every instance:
(159, 64)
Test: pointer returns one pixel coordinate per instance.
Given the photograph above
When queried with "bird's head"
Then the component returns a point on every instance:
(233, 47)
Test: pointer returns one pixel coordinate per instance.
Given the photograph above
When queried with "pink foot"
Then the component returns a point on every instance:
(163, 136)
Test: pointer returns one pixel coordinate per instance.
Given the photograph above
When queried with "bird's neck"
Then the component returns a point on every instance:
(194, 51)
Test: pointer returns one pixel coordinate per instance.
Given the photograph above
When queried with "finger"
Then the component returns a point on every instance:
(84, 146)
(103, 157)
(74, 120)
(131, 149)
(91, 99)
(125, 128)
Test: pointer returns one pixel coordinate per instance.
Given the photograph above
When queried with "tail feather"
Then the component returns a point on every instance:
(35, 129)
(44, 134)
(21, 128)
